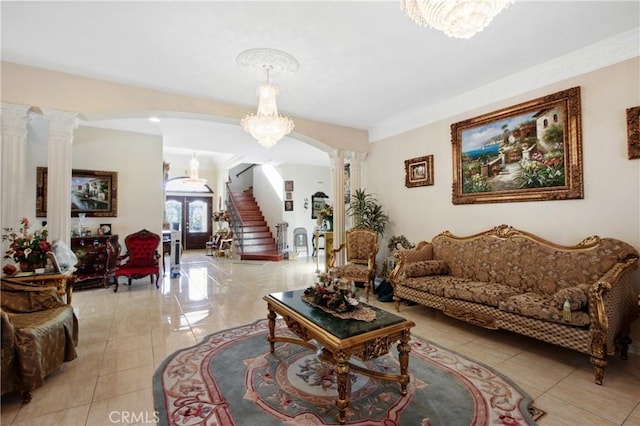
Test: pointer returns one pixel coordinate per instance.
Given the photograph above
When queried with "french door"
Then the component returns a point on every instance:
(193, 216)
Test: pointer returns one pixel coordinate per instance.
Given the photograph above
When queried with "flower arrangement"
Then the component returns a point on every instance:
(327, 212)
(220, 216)
(334, 299)
(26, 247)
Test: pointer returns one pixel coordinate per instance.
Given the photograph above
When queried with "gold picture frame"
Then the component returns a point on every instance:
(418, 171)
(528, 152)
(93, 192)
(633, 132)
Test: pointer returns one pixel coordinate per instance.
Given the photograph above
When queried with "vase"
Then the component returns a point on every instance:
(26, 266)
(329, 224)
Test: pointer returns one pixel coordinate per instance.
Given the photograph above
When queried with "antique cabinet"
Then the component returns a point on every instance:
(96, 260)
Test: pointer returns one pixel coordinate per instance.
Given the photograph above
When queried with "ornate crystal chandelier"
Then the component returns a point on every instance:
(193, 179)
(456, 18)
(266, 125)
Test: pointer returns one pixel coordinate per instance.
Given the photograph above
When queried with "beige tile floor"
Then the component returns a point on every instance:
(124, 337)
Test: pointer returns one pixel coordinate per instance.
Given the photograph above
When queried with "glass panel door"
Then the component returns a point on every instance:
(192, 215)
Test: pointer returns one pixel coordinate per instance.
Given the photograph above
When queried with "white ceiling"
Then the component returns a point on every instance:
(362, 64)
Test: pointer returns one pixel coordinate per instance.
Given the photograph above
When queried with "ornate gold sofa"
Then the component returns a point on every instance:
(578, 297)
(39, 333)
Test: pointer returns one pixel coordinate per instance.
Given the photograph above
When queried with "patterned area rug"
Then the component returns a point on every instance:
(230, 378)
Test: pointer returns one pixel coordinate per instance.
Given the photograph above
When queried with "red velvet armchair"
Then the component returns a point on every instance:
(141, 258)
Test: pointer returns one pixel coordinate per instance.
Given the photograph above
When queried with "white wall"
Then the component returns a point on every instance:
(138, 160)
(307, 180)
(611, 204)
(268, 190)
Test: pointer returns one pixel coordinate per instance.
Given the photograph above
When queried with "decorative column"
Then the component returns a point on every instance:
(356, 159)
(13, 157)
(337, 186)
(61, 127)
(221, 189)
(355, 178)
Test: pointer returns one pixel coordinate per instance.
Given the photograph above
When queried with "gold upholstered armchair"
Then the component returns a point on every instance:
(361, 247)
(39, 333)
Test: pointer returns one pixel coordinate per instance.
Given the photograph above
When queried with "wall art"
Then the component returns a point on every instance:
(633, 132)
(94, 193)
(418, 171)
(527, 152)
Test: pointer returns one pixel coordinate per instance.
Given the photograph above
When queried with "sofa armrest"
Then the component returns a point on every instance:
(612, 307)
(422, 251)
(18, 297)
(334, 254)
(8, 336)
(371, 260)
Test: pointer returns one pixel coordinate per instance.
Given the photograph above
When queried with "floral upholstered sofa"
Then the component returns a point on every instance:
(578, 297)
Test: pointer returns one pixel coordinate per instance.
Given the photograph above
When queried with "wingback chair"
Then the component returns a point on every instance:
(361, 247)
(141, 258)
(39, 333)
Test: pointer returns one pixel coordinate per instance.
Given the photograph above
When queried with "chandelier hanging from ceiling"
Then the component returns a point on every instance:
(456, 18)
(266, 125)
(193, 179)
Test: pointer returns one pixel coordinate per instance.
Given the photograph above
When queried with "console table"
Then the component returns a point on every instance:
(96, 260)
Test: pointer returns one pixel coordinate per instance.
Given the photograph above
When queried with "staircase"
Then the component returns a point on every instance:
(255, 242)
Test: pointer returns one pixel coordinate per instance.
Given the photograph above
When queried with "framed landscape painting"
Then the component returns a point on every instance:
(94, 193)
(527, 152)
(633, 132)
(418, 171)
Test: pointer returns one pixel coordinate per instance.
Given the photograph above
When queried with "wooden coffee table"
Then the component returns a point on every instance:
(341, 339)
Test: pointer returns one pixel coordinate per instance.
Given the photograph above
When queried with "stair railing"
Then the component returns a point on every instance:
(235, 221)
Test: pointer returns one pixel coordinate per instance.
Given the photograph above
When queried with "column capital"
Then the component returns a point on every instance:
(61, 123)
(14, 115)
(337, 154)
(356, 156)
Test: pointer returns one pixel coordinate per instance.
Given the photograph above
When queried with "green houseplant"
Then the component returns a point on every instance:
(367, 212)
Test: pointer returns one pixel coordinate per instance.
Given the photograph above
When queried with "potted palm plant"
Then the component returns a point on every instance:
(367, 212)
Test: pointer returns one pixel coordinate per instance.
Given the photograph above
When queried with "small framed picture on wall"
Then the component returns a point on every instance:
(288, 185)
(289, 196)
(288, 206)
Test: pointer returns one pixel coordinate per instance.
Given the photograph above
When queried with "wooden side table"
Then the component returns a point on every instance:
(63, 282)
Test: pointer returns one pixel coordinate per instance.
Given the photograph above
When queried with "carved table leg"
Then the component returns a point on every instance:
(403, 356)
(26, 397)
(341, 369)
(272, 330)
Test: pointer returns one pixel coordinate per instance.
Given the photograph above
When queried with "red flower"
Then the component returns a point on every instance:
(24, 246)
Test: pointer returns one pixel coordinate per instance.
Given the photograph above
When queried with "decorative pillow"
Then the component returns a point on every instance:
(426, 268)
(576, 295)
(423, 251)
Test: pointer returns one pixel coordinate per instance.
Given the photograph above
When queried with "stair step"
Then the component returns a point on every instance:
(251, 216)
(259, 248)
(255, 228)
(273, 257)
(248, 223)
(258, 241)
(257, 235)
